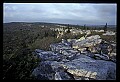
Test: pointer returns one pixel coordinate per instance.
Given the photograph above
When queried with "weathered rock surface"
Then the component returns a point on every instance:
(58, 47)
(88, 42)
(92, 59)
(83, 67)
(49, 55)
(90, 68)
(44, 72)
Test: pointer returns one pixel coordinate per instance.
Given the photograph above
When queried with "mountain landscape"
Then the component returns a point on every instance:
(28, 47)
(59, 41)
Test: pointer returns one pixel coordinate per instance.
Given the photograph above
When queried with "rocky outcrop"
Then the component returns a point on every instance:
(83, 67)
(88, 42)
(66, 63)
(90, 68)
(58, 47)
(48, 55)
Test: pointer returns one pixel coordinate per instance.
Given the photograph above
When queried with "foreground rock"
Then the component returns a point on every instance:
(81, 68)
(89, 59)
(51, 70)
(91, 69)
(44, 72)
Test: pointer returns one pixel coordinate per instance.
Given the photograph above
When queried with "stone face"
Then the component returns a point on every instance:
(59, 46)
(90, 68)
(65, 50)
(48, 55)
(51, 70)
(44, 72)
(87, 60)
(88, 42)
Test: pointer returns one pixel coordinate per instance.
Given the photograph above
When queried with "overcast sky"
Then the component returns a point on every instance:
(71, 13)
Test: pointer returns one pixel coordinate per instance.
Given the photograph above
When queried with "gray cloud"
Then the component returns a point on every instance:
(60, 12)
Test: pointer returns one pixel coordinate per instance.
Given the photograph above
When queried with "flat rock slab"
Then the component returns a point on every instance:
(87, 67)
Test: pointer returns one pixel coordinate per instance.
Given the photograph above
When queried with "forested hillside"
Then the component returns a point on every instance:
(19, 41)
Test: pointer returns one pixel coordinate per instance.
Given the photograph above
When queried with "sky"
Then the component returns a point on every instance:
(65, 13)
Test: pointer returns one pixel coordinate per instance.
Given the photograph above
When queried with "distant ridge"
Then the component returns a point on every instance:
(97, 26)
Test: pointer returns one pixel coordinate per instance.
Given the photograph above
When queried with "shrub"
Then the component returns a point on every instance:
(44, 43)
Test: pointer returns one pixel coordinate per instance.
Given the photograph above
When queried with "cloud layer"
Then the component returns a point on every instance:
(72, 13)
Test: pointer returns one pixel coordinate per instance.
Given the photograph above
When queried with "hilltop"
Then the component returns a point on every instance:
(21, 39)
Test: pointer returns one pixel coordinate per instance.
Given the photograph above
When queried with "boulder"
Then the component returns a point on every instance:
(48, 55)
(88, 42)
(59, 46)
(65, 63)
(81, 67)
(87, 67)
(51, 70)
(44, 72)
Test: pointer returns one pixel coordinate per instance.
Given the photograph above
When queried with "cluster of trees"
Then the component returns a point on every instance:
(85, 27)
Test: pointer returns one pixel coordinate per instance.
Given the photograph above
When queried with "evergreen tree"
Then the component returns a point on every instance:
(85, 28)
(68, 29)
(105, 27)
